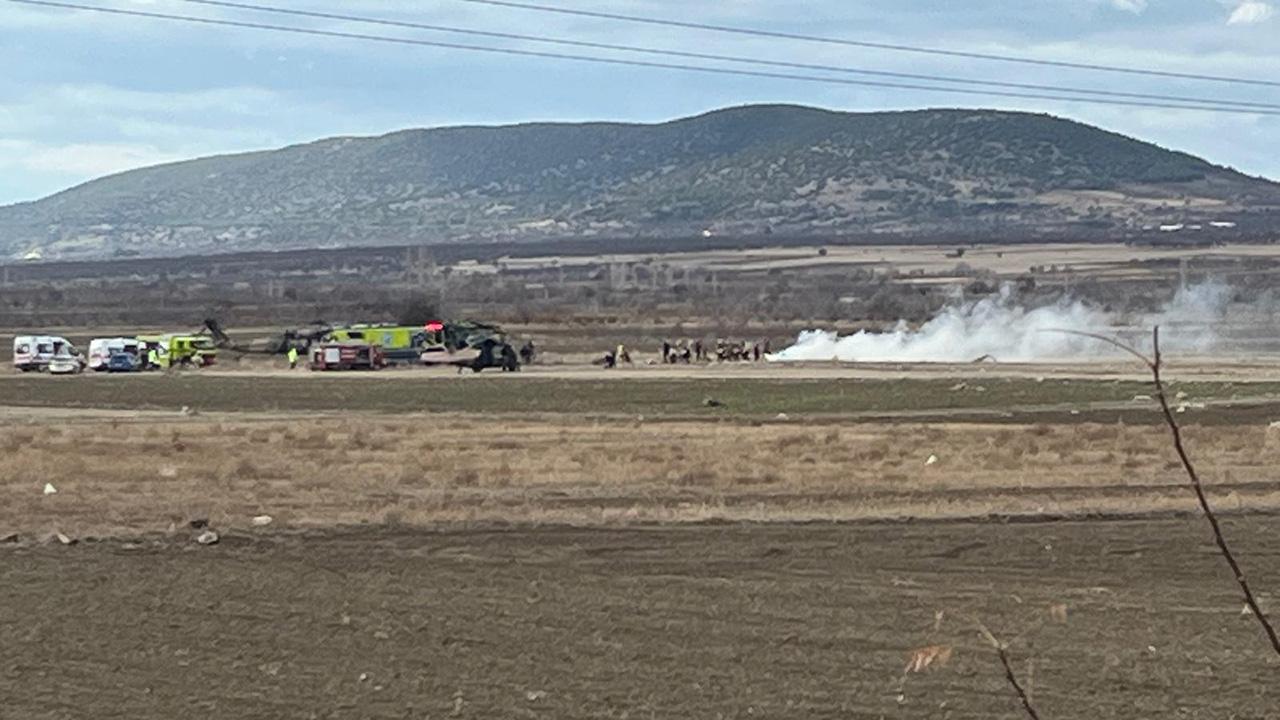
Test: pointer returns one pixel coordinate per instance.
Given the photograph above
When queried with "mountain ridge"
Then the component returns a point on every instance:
(746, 170)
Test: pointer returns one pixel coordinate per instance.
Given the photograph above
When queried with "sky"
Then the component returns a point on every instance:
(84, 94)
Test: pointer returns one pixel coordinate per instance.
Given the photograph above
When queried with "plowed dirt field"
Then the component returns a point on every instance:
(701, 621)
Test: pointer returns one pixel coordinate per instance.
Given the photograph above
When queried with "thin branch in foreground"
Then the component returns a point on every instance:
(1198, 487)
(1154, 363)
(1002, 652)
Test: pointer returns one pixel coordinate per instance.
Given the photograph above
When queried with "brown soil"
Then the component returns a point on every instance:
(732, 621)
(421, 562)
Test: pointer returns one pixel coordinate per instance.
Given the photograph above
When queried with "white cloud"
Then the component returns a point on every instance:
(98, 112)
(237, 100)
(55, 136)
(81, 159)
(1250, 12)
(1133, 6)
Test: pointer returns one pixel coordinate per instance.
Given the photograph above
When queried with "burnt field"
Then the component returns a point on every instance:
(1104, 619)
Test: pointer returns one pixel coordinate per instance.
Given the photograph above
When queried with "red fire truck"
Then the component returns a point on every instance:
(347, 356)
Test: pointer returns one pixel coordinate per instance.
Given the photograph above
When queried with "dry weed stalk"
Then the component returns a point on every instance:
(1002, 652)
(1153, 363)
(1058, 613)
(922, 659)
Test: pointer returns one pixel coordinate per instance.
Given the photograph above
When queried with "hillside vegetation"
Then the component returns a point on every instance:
(749, 171)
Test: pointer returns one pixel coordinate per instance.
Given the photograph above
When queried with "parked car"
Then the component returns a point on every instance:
(123, 362)
(101, 350)
(66, 364)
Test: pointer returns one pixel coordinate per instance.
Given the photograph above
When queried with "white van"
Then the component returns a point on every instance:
(34, 352)
(101, 350)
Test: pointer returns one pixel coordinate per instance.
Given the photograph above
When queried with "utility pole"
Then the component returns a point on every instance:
(419, 265)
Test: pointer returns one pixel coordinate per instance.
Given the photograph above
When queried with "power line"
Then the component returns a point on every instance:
(636, 63)
(721, 58)
(869, 44)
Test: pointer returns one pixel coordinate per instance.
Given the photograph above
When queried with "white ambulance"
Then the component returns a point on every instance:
(35, 352)
(101, 350)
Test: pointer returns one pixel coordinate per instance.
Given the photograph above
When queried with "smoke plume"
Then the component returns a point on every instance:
(1000, 328)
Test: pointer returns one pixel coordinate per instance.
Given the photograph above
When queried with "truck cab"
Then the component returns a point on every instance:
(179, 350)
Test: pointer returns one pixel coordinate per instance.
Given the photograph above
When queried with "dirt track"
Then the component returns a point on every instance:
(976, 397)
(693, 622)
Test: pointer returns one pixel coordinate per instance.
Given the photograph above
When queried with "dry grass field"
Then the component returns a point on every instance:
(567, 546)
(121, 477)
(1004, 260)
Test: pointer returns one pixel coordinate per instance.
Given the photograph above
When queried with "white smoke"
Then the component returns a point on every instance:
(1000, 328)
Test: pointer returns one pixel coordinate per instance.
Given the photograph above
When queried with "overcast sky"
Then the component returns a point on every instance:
(84, 94)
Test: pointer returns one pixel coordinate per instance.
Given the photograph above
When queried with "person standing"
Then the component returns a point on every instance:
(509, 361)
(528, 352)
(293, 357)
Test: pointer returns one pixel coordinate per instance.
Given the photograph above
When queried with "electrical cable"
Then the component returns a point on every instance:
(716, 57)
(640, 63)
(869, 44)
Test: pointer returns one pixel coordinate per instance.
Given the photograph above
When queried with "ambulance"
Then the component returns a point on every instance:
(35, 352)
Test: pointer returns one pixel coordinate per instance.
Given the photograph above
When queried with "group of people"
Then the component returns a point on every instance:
(616, 357)
(684, 351)
(693, 351)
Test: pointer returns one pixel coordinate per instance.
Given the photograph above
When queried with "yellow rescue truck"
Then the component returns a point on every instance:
(399, 343)
(166, 351)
